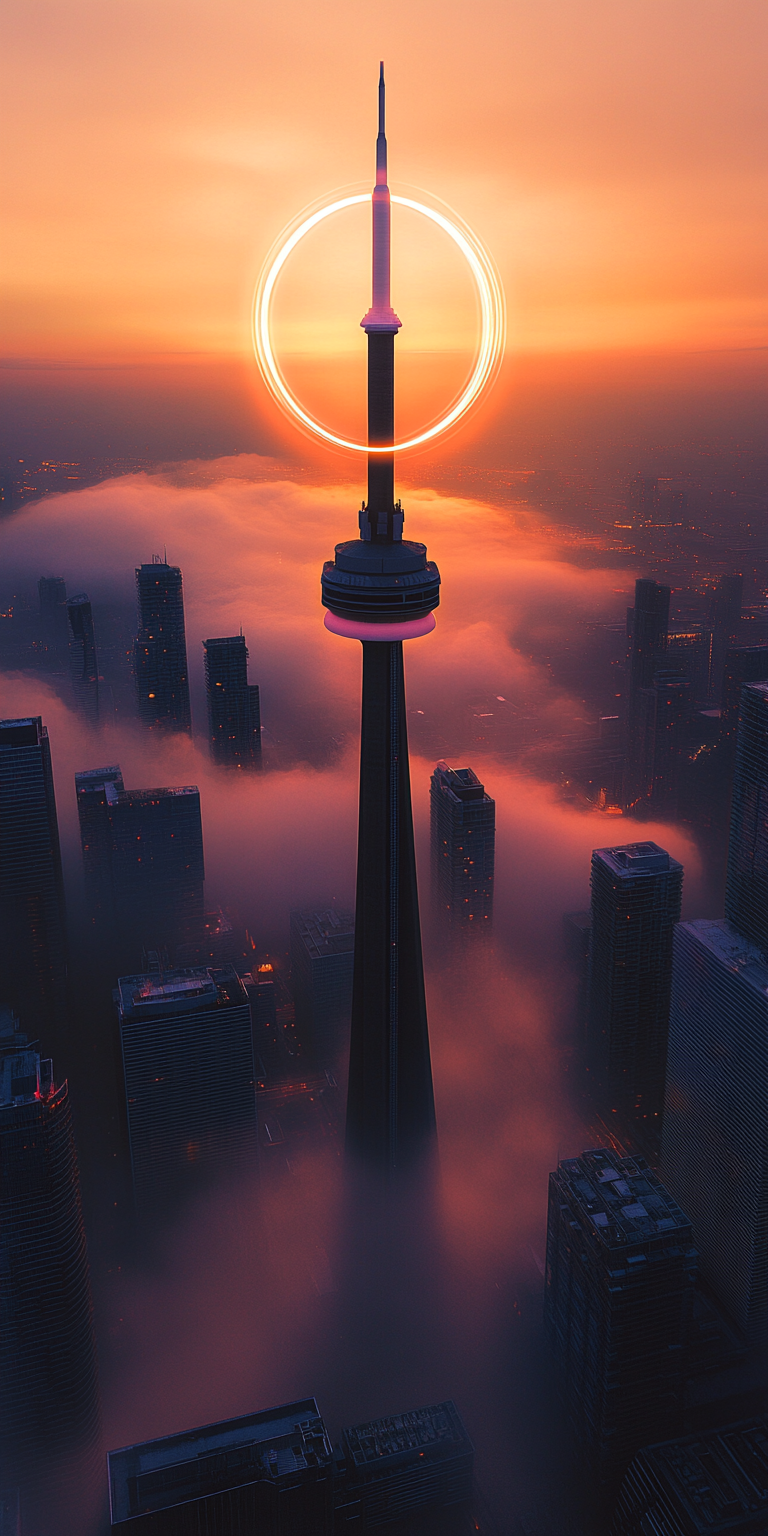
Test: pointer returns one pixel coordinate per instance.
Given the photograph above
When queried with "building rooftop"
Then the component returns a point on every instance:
(325, 933)
(729, 946)
(117, 796)
(621, 1201)
(186, 990)
(92, 778)
(22, 733)
(636, 859)
(462, 783)
(276, 1443)
(717, 1479)
(424, 1429)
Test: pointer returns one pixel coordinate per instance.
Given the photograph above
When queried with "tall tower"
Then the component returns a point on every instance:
(160, 650)
(381, 589)
(463, 839)
(234, 717)
(83, 664)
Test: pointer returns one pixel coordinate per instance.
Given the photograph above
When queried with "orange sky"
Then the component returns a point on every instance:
(608, 152)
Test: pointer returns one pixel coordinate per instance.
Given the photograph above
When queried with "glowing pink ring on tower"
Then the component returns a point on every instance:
(492, 323)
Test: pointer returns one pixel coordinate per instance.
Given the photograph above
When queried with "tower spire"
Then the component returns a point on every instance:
(380, 520)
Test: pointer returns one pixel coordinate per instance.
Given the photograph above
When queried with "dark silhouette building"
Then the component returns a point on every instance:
(395, 1468)
(186, 1049)
(743, 664)
(83, 663)
(636, 899)
(381, 589)
(33, 955)
(647, 627)
(322, 958)
(746, 889)
(52, 592)
(143, 862)
(662, 714)
(234, 717)
(714, 1155)
(618, 1296)
(710, 1484)
(270, 1473)
(689, 653)
(463, 842)
(160, 649)
(724, 617)
(49, 1411)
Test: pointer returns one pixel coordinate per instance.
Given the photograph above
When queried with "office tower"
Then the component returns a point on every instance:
(636, 898)
(188, 1074)
(746, 888)
(381, 590)
(49, 1413)
(463, 840)
(724, 616)
(661, 717)
(322, 958)
(143, 861)
(618, 1293)
(234, 717)
(689, 654)
(96, 844)
(52, 591)
(269, 1472)
(83, 665)
(33, 958)
(743, 664)
(160, 649)
(709, 1484)
(647, 625)
(393, 1468)
(714, 1156)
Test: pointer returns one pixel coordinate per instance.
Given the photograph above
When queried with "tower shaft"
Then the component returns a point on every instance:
(390, 1107)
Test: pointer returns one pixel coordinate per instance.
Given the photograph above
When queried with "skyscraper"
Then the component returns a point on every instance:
(743, 664)
(661, 715)
(143, 861)
(322, 955)
(83, 664)
(52, 591)
(270, 1472)
(746, 890)
(396, 1467)
(636, 898)
(724, 615)
(463, 840)
(710, 1484)
(647, 626)
(160, 650)
(714, 1155)
(381, 590)
(33, 957)
(234, 717)
(618, 1293)
(49, 1412)
(188, 1074)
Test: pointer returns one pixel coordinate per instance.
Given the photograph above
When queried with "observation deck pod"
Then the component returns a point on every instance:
(381, 591)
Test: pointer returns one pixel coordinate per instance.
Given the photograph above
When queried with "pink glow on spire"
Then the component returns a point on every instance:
(381, 316)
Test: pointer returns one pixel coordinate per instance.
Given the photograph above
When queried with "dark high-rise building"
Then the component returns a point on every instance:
(49, 1413)
(396, 1467)
(322, 957)
(463, 842)
(83, 664)
(143, 860)
(743, 664)
(234, 717)
(381, 589)
(746, 890)
(618, 1295)
(714, 1155)
(661, 716)
(33, 957)
(710, 1484)
(160, 650)
(647, 626)
(53, 616)
(689, 653)
(636, 899)
(724, 616)
(270, 1473)
(188, 1072)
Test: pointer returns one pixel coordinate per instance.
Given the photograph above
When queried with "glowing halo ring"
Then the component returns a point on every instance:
(492, 329)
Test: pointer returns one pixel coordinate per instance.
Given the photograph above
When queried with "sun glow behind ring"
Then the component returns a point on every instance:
(492, 323)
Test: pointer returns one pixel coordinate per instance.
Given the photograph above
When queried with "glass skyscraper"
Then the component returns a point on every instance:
(636, 898)
(33, 957)
(746, 891)
(234, 716)
(49, 1411)
(160, 650)
(83, 663)
(463, 842)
